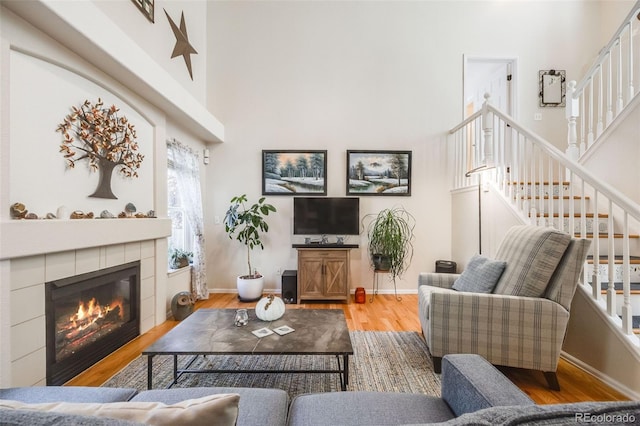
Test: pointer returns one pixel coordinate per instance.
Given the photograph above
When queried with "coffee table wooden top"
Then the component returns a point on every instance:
(212, 331)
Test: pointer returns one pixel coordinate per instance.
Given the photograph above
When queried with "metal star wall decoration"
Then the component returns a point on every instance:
(183, 47)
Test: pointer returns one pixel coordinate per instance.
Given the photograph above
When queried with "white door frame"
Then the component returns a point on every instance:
(510, 61)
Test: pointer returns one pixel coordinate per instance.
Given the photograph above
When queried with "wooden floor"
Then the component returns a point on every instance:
(385, 313)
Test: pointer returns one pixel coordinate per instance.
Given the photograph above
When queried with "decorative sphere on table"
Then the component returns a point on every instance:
(270, 308)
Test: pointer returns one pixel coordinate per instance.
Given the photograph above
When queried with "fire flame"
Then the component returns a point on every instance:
(90, 312)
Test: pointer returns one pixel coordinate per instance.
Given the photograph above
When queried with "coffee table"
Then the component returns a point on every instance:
(212, 332)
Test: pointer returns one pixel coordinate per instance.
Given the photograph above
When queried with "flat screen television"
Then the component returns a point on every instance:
(326, 216)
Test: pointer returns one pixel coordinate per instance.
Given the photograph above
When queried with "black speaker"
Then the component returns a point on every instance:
(290, 286)
(446, 266)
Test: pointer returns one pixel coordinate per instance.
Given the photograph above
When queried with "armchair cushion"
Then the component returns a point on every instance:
(435, 279)
(564, 281)
(480, 276)
(532, 254)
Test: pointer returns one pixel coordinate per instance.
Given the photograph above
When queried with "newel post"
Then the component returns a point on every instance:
(572, 113)
(487, 127)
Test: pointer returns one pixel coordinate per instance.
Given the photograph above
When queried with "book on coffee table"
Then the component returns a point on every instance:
(283, 329)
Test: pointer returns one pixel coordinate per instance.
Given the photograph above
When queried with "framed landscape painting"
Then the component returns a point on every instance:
(379, 173)
(290, 172)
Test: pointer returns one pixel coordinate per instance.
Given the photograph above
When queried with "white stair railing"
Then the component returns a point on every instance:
(546, 188)
(605, 90)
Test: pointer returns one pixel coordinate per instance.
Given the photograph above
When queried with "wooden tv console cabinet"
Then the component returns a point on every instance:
(324, 271)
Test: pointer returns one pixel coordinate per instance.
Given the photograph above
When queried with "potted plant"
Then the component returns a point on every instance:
(247, 225)
(390, 235)
(180, 258)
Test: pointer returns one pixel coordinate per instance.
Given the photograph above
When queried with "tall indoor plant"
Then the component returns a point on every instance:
(390, 234)
(248, 225)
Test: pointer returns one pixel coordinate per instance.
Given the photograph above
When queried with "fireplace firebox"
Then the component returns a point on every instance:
(88, 317)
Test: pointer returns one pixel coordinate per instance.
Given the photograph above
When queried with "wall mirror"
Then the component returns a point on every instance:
(552, 88)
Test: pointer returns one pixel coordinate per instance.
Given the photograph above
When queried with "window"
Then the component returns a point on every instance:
(181, 233)
(185, 209)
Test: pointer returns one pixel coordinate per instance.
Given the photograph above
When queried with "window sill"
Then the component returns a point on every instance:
(180, 271)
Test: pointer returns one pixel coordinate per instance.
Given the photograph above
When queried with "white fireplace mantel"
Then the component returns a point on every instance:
(32, 237)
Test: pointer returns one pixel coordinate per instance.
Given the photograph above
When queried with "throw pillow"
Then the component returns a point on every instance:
(480, 276)
(220, 409)
(532, 254)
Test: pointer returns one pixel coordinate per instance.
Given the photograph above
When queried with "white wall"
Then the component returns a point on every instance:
(619, 146)
(157, 38)
(366, 75)
(614, 358)
(43, 182)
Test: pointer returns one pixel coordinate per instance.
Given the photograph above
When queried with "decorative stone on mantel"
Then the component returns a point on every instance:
(31, 237)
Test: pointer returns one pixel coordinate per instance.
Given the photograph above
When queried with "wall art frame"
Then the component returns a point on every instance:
(147, 8)
(294, 172)
(553, 88)
(375, 172)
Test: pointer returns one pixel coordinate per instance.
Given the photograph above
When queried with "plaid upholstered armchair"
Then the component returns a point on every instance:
(519, 320)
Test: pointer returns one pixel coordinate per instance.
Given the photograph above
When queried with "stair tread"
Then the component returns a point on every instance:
(538, 183)
(618, 288)
(588, 215)
(555, 197)
(617, 259)
(606, 235)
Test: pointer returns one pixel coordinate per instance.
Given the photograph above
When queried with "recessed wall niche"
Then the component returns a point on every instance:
(41, 96)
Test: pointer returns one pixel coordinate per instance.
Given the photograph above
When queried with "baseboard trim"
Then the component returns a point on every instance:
(629, 393)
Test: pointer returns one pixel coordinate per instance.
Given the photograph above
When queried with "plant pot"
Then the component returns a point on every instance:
(381, 262)
(250, 289)
(180, 262)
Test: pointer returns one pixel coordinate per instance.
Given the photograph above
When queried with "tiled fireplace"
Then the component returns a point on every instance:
(27, 264)
(88, 316)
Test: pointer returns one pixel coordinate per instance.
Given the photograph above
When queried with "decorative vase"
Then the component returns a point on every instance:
(270, 308)
(104, 184)
(361, 295)
(250, 289)
(241, 318)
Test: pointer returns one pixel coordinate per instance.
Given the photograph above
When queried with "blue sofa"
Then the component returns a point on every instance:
(473, 392)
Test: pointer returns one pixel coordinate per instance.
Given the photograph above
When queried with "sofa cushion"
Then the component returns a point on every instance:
(532, 254)
(50, 418)
(366, 408)
(610, 413)
(223, 408)
(481, 275)
(35, 394)
(257, 406)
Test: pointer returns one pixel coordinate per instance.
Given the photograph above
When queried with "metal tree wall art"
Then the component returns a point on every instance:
(106, 140)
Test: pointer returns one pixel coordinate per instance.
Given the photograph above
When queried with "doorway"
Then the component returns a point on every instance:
(493, 75)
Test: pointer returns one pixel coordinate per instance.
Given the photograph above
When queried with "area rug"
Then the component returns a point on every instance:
(382, 361)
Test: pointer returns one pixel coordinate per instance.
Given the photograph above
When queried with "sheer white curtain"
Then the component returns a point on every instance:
(185, 162)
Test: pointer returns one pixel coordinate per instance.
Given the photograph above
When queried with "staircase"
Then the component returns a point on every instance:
(543, 186)
(546, 188)
(595, 225)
